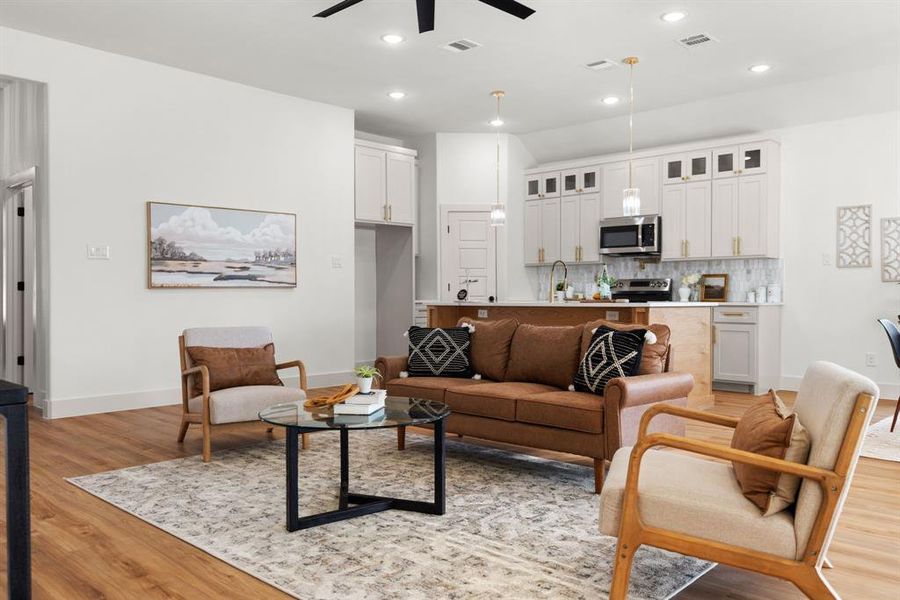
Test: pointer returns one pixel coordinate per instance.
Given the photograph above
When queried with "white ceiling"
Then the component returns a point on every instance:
(278, 45)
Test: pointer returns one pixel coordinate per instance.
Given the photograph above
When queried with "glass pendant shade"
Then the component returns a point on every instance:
(498, 215)
(631, 202)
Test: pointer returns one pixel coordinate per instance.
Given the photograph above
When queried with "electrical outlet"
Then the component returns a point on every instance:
(826, 259)
(98, 252)
(871, 360)
(482, 313)
(612, 315)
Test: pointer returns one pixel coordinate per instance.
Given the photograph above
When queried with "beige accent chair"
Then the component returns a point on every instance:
(694, 506)
(232, 405)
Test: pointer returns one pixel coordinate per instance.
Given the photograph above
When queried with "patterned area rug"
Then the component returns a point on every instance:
(881, 443)
(516, 526)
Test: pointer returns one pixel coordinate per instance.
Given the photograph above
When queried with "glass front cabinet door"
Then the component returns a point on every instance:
(673, 169)
(749, 159)
(697, 166)
(532, 187)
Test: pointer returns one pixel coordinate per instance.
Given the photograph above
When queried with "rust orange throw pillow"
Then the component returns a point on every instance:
(234, 367)
(771, 429)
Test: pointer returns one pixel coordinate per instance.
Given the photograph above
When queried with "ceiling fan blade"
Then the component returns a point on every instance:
(512, 7)
(337, 8)
(425, 9)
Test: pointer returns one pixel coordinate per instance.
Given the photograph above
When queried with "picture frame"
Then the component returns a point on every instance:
(714, 287)
(197, 246)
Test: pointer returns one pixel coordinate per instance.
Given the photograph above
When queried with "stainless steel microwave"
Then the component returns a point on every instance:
(631, 235)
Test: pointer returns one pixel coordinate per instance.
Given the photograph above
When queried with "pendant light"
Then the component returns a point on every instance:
(498, 209)
(631, 196)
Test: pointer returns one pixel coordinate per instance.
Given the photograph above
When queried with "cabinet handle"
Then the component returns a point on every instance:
(739, 245)
(687, 246)
(390, 212)
(734, 246)
(384, 214)
(714, 336)
(734, 314)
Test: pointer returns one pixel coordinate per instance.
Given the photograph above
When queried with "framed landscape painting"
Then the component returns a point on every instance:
(208, 247)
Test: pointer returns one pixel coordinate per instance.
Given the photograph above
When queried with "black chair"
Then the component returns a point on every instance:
(893, 333)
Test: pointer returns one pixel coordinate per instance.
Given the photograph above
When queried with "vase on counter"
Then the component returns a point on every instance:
(560, 295)
(684, 294)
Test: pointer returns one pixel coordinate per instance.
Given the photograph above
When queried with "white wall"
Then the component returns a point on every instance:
(427, 219)
(830, 313)
(122, 132)
(366, 303)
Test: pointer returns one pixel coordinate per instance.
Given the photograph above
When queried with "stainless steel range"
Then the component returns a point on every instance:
(643, 290)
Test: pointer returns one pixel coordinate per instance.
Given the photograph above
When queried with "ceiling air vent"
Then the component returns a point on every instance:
(692, 41)
(460, 46)
(600, 65)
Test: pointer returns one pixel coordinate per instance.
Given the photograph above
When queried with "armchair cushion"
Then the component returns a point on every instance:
(494, 400)
(427, 388)
(239, 404)
(769, 428)
(577, 411)
(697, 497)
(234, 367)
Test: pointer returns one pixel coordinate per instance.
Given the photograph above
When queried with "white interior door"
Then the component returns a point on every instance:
(18, 281)
(469, 256)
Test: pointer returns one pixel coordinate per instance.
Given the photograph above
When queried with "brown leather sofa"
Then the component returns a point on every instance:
(523, 398)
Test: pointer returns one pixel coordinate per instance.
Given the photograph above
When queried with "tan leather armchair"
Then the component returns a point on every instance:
(232, 405)
(687, 504)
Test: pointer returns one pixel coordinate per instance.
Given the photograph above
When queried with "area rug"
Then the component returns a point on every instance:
(516, 526)
(881, 443)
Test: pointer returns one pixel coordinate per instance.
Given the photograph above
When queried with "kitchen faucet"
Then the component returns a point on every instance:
(565, 276)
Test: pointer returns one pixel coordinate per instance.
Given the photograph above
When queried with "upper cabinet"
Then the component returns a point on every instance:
(542, 231)
(542, 185)
(580, 181)
(645, 177)
(747, 159)
(686, 220)
(580, 228)
(692, 166)
(385, 184)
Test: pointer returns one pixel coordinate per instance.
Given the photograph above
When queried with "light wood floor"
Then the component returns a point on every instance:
(85, 548)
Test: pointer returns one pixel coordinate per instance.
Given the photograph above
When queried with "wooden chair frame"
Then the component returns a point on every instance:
(806, 573)
(202, 418)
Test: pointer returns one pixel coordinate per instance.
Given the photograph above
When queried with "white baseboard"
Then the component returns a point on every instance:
(58, 408)
(888, 391)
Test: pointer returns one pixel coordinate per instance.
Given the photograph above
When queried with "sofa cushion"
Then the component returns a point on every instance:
(234, 367)
(426, 388)
(239, 404)
(653, 360)
(695, 496)
(611, 354)
(439, 352)
(490, 346)
(577, 411)
(547, 355)
(771, 429)
(494, 400)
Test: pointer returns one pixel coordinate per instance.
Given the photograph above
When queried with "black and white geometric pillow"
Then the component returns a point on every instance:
(439, 352)
(612, 354)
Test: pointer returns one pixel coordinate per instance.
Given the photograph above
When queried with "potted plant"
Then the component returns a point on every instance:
(365, 374)
(561, 291)
(605, 282)
(688, 283)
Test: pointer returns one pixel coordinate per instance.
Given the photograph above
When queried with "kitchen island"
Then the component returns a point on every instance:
(690, 322)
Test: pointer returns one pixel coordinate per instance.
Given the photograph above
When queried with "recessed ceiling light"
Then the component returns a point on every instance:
(498, 122)
(610, 100)
(392, 38)
(673, 16)
(760, 68)
(397, 95)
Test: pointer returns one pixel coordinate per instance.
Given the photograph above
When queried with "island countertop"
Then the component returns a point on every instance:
(577, 304)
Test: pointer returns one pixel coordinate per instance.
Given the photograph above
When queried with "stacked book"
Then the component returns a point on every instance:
(369, 406)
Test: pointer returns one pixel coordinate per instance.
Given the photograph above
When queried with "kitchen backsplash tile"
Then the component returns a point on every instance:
(744, 274)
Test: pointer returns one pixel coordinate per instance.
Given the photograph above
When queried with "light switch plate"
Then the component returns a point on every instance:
(482, 313)
(98, 252)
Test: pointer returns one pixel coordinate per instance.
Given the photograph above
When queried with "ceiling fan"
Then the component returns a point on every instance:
(425, 10)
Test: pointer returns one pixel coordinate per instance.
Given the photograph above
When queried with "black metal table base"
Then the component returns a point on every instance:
(356, 505)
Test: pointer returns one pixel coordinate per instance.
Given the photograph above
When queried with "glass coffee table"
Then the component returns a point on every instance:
(398, 412)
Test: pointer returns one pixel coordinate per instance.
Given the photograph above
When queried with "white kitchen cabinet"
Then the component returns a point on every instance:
(533, 187)
(747, 347)
(401, 191)
(542, 231)
(746, 159)
(542, 185)
(371, 190)
(385, 184)
(740, 219)
(645, 176)
(686, 215)
(580, 181)
(579, 228)
(690, 166)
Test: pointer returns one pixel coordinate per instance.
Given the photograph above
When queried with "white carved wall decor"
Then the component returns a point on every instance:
(890, 249)
(854, 236)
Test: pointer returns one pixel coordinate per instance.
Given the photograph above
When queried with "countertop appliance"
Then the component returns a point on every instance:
(631, 236)
(643, 290)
